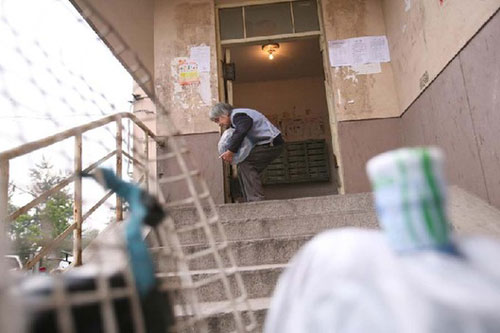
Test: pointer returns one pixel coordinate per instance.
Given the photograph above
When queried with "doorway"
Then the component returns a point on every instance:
(289, 90)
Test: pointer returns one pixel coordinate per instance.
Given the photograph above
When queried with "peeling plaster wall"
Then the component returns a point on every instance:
(425, 35)
(139, 35)
(459, 113)
(298, 107)
(359, 96)
(180, 25)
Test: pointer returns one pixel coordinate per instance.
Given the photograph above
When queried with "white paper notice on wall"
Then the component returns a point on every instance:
(201, 55)
(357, 51)
(340, 52)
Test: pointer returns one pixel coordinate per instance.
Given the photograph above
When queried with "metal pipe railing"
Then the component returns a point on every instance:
(4, 193)
(77, 203)
(119, 160)
(45, 142)
(146, 158)
(79, 217)
(63, 183)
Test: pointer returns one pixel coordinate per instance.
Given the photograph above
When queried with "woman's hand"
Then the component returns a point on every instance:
(227, 156)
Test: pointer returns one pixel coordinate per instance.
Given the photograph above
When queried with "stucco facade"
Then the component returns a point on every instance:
(366, 112)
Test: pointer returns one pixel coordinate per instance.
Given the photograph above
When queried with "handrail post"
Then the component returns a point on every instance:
(119, 160)
(4, 196)
(77, 210)
(4, 202)
(146, 160)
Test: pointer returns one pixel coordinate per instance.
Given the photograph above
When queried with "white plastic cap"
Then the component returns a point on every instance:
(410, 197)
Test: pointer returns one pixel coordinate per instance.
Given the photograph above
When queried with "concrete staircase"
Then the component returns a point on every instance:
(264, 236)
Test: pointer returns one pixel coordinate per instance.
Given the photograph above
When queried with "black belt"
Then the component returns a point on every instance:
(277, 141)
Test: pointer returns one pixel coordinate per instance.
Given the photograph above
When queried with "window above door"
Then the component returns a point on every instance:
(268, 20)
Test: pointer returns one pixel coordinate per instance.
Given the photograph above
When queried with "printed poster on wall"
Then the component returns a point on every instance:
(201, 55)
(358, 51)
(188, 73)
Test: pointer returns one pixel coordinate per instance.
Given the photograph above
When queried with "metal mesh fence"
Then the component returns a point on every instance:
(57, 110)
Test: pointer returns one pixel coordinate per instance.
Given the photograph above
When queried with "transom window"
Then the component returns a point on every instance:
(273, 19)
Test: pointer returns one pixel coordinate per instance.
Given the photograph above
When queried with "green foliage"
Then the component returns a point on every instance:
(44, 222)
(59, 211)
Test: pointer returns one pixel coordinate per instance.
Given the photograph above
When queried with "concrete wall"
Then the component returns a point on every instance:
(180, 25)
(203, 156)
(460, 113)
(360, 141)
(359, 96)
(138, 36)
(425, 35)
(442, 117)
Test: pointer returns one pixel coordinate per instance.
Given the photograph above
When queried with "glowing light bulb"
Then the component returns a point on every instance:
(270, 49)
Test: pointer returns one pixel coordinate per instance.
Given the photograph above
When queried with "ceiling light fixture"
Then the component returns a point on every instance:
(270, 49)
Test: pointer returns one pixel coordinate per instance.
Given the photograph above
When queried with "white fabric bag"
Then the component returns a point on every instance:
(351, 281)
(245, 148)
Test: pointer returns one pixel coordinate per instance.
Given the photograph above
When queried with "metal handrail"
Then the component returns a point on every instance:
(42, 143)
(79, 218)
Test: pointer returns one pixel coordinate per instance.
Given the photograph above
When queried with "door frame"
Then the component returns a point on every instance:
(225, 87)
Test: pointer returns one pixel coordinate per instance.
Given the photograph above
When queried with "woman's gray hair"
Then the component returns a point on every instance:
(220, 109)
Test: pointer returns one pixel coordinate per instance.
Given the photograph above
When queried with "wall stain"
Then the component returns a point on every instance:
(347, 18)
(184, 24)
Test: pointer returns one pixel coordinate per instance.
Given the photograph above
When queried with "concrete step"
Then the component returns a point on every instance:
(472, 215)
(468, 213)
(290, 207)
(280, 226)
(222, 321)
(253, 252)
(282, 239)
(258, 280)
